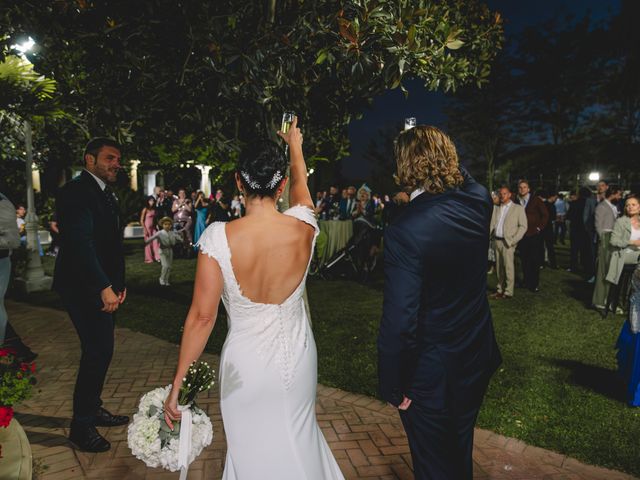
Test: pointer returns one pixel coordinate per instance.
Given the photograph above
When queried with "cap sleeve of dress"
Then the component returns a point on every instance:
(211, 243)
(304, 214)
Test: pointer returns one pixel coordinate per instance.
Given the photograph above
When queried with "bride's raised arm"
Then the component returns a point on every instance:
(298, 188)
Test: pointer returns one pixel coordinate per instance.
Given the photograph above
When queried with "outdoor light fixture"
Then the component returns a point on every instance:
(594, 176)
(311, 170)
(25, 46)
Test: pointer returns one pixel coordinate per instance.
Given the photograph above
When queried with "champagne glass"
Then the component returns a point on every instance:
(409, 122)
(287, 119)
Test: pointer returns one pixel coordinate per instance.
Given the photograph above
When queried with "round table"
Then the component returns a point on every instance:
(334, 236)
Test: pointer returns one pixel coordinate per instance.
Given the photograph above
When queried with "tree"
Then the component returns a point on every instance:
(480, 121)
(219, 74)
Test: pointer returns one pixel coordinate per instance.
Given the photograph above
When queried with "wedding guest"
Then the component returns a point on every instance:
(578, 237)
(164, 201)
(530, 245)
(21, 212)
(202, 211)
(628, 344)
(601, 190)
(348, 204)
(549, 201)
(236, 207)
(508, 226)
(9, 240)
(589, 219)
(560, 226)
(148, 221)
(625, 239)
(220, 209)
(605, 219)
(90, 278)
(181, 209)
(320, 198)
(167, 238)
(331, 204)
(55, 234)
(491, 256)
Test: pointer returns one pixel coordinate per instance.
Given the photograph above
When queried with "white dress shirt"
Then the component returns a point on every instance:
(504, 208)
(524, 201)
(415, 193)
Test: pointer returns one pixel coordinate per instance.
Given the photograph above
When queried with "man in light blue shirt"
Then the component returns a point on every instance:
(559, 226)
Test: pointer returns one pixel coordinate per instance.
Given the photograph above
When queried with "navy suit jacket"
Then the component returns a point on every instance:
(91, 255)
(436, 343)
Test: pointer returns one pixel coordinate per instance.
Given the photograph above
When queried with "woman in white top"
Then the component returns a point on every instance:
(268, 366)
(626, 238)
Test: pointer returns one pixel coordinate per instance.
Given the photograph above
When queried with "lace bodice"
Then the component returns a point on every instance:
(280, 329)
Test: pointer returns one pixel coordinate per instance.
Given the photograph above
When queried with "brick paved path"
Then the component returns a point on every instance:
(365, 435)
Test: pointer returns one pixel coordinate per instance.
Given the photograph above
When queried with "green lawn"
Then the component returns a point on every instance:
(556, 389)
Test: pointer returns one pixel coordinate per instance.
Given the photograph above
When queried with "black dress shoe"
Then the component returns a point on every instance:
(87, 439)
(106, 419)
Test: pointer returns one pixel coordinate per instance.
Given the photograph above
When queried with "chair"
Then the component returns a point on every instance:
(622, 288)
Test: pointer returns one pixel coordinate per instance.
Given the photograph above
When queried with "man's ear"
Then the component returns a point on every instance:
(88, 157)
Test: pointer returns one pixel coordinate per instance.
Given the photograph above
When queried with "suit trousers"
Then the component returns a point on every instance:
(96, 331)
(601, 286)
(530, 256)
(441, 442)
(505, 267)
(166, 260)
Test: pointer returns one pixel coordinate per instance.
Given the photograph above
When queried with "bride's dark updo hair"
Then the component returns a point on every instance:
(261, 168)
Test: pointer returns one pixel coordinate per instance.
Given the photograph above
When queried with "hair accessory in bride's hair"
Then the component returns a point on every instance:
(252, 183)
(275, 179)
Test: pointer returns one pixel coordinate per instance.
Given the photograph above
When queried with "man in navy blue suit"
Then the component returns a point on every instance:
(436, 346)
(89, 276)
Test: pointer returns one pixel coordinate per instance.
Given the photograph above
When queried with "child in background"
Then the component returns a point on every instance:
(167, 238)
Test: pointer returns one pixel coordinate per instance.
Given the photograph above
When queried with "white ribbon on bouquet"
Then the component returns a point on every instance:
(184, 446)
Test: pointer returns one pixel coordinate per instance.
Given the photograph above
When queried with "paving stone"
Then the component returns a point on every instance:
(365, 435)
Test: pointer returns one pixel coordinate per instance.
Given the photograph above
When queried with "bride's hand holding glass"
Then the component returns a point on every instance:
(293, 137)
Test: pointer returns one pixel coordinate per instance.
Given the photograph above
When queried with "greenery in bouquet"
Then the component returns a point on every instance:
(199, 378)
(16, 380)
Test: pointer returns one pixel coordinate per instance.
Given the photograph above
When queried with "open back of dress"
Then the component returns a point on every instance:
(268, 377)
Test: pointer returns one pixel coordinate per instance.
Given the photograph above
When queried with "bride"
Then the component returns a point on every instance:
(268, 366)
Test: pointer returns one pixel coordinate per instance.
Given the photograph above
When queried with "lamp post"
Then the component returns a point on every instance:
(33, 279)
(594, 177)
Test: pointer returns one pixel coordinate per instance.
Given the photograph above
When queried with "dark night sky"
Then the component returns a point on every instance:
(391, 108)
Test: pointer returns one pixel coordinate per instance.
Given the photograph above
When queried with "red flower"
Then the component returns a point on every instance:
(24, 367)
(6, 352)
(6, 414)
(33, 367)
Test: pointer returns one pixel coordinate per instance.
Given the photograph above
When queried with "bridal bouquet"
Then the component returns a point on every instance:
(150, 438)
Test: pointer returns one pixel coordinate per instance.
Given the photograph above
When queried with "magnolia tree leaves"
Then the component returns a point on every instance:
(198, 80)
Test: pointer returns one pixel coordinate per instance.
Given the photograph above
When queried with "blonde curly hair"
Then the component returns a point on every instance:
(426, 158)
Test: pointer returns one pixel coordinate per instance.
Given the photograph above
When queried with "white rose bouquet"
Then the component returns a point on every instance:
(150, 438)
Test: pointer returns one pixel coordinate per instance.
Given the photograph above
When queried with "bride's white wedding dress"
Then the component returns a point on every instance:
(268, 376)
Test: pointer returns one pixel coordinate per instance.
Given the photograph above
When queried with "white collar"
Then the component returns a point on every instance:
(101, 183)
(415, 193)
(506, 205)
